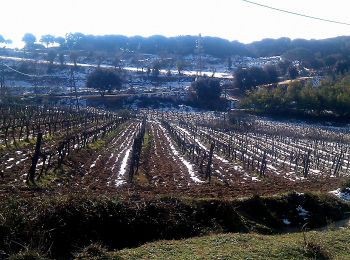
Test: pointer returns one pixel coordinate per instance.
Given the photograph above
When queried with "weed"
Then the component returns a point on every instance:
(93, 252)
(28, 255)
(99, 144)
(316, 250)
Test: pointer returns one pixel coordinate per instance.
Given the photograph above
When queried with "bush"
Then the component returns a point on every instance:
(206, 93)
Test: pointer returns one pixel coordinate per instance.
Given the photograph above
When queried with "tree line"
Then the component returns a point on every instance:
(331, 98)
(312, 52)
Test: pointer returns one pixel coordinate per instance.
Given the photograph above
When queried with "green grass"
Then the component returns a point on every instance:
(17, 145)
(146, 140)
(47, 179)
(99, 144)
(322, 245)
(141, 177)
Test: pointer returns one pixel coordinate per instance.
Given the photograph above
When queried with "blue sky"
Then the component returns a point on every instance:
(230, 19)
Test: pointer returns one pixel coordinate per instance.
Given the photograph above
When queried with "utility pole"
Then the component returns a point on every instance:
(73, 86)
(2, 79)
(199, 50)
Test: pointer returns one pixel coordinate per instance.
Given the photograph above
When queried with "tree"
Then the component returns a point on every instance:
(61, 58)
(229, 63)
(100, 56)
(283, 67)
(29, 39)
(272, 74)
(246, 79)
(47, 39)
(117, 62)
(104, 81)
(73, 40)
(207, 92)
(51, 55)
(180, 65)
(156, 69)
(341, 67)
(60, 40)
(74, 57)
(293, 72)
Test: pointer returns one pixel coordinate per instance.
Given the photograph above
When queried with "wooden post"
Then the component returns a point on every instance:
(263, 165)
(35, 158)
(208, 170)
(306, 163)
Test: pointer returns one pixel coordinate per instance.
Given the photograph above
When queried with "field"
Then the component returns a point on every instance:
(166, 153)
(71, 178)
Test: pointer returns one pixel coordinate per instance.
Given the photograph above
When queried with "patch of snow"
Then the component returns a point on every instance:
(286, 221)
(238, 168)
(122, 170)
(190, 170)
(94, 163)
(342, 195)
(271, 167)
(315, 171)
(255, 179)
(22, 160)
(302, 212)
(185, 162)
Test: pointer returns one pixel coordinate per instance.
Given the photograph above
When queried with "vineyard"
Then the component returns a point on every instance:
(170, 153)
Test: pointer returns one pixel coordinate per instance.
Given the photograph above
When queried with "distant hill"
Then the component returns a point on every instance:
(218, 47)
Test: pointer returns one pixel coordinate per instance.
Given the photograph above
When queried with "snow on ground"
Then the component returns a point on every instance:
(255, 179)
(302, 212)
(183, 160)
(341, 194)
(202, 145)
(120, 179)
(22, 160)
(286, 221)
(127, 147)
(94, 163)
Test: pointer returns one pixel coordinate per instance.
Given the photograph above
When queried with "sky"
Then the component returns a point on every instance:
(229, 19)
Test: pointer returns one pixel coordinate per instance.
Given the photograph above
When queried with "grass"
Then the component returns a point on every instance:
(324, 245)
(99, 144)
(47, 179)
(17, 145)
